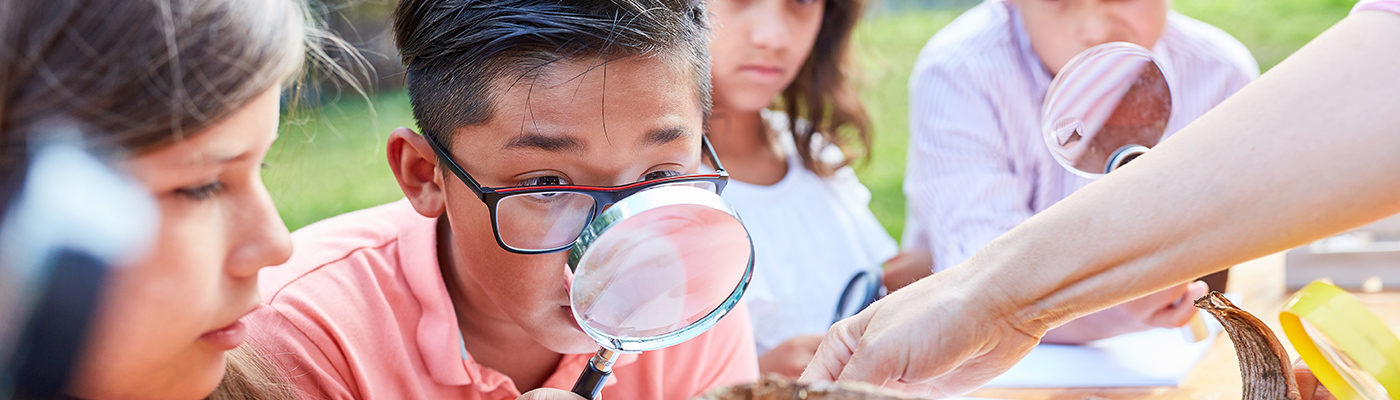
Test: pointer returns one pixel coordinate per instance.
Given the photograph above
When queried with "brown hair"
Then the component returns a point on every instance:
(457, 52)
(823, 96)
(139, 75)
(249, 375)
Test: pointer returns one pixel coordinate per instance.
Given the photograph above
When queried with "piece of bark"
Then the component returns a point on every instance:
(774, 387)
(1264, 364)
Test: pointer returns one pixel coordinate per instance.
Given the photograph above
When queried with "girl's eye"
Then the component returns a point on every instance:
(548, 180)
(654, 175)
(202, 192)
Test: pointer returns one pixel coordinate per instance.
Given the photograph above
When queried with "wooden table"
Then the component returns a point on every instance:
(1260, 284)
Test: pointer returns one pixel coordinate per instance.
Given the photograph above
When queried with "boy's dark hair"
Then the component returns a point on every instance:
(457, 52)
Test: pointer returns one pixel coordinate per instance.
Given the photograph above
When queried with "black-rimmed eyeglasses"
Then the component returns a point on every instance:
(546, 219)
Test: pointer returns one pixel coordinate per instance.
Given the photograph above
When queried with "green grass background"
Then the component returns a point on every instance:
(331, 160)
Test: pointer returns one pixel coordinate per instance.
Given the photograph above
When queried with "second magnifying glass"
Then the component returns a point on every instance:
(1348, 349)
(1108, 105)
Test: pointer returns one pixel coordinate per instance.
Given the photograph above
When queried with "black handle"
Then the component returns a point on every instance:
(49, 347)
(590, 382)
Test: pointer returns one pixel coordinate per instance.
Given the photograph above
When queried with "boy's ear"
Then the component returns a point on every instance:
(415, 166)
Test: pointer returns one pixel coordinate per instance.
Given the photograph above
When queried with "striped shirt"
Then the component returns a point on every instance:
(1378, 5)
(978, 164)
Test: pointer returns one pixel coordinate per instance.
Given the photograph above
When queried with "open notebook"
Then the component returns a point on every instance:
(1160, 357)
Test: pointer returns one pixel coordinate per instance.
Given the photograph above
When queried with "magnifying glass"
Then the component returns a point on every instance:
(1107, 106)
(1348, 349)
(654, 270)
(861, 291)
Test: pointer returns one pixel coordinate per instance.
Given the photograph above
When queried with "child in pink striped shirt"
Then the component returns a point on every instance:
(977, 164)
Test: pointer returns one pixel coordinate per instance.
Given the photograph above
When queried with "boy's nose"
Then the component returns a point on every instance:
(1095, 30)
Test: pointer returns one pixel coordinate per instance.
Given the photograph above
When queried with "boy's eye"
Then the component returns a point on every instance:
(806, 2)
(654, 175)
(548, 180)
(202, 192)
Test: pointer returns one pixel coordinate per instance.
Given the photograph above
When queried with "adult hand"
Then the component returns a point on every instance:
(906, 268)
(1308, 385)
(1169, 308)
(790, 357)
(937, 336)
(549, 394)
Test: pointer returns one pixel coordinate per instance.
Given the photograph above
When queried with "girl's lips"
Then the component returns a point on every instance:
(227, 337)
(762, 72)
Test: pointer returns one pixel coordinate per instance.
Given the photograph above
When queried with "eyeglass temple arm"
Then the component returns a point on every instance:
(452, 165)
(710, 150)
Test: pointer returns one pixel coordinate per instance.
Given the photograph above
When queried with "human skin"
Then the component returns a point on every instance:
(167, 319)
(573, 124)
(1306, 151)
(1061, 29)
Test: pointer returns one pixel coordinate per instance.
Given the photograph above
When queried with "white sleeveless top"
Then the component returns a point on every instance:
(810, 236)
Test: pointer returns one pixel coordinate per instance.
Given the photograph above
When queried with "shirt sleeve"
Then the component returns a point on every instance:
(1392, 6)
(311, 370)
(960, 185)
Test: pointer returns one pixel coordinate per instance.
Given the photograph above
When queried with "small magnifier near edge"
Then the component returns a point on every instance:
(655, 269)
(1348, 349)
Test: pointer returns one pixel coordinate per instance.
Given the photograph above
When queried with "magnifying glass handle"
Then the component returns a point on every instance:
(595, 374)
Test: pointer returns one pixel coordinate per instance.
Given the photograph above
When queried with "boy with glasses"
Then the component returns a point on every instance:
(536, 115)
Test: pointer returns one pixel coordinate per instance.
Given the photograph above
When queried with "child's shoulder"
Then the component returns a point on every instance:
(1192, 40)
(359, 237)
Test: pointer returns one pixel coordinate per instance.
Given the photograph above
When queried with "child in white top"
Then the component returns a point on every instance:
(790, 182)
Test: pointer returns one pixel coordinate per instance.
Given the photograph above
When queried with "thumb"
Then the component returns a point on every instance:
(871, 359)
(835, 350)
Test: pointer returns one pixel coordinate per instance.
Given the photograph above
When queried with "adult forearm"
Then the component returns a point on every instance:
(1311, 149)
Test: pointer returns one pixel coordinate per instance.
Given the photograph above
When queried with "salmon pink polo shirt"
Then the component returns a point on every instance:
(361, 312)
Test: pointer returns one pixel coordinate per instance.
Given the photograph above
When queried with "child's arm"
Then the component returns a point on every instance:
(1307, 151)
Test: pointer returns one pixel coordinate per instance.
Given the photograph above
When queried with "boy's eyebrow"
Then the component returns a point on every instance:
(664, 136)
(546, 143)
(567, 143)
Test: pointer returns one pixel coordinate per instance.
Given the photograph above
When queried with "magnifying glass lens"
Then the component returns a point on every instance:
(1109, 98)
(1350, 370)
(656, 269)
(660, 271)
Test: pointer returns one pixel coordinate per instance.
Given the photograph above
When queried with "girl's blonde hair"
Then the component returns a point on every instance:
(249, 375)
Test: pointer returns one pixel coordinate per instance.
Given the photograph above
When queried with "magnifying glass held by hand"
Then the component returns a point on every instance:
(654, 270)
(1107, 106)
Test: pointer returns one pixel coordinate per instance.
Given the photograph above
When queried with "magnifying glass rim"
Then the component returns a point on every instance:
(1351, 327)
(644, 201)
(1084, 57)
